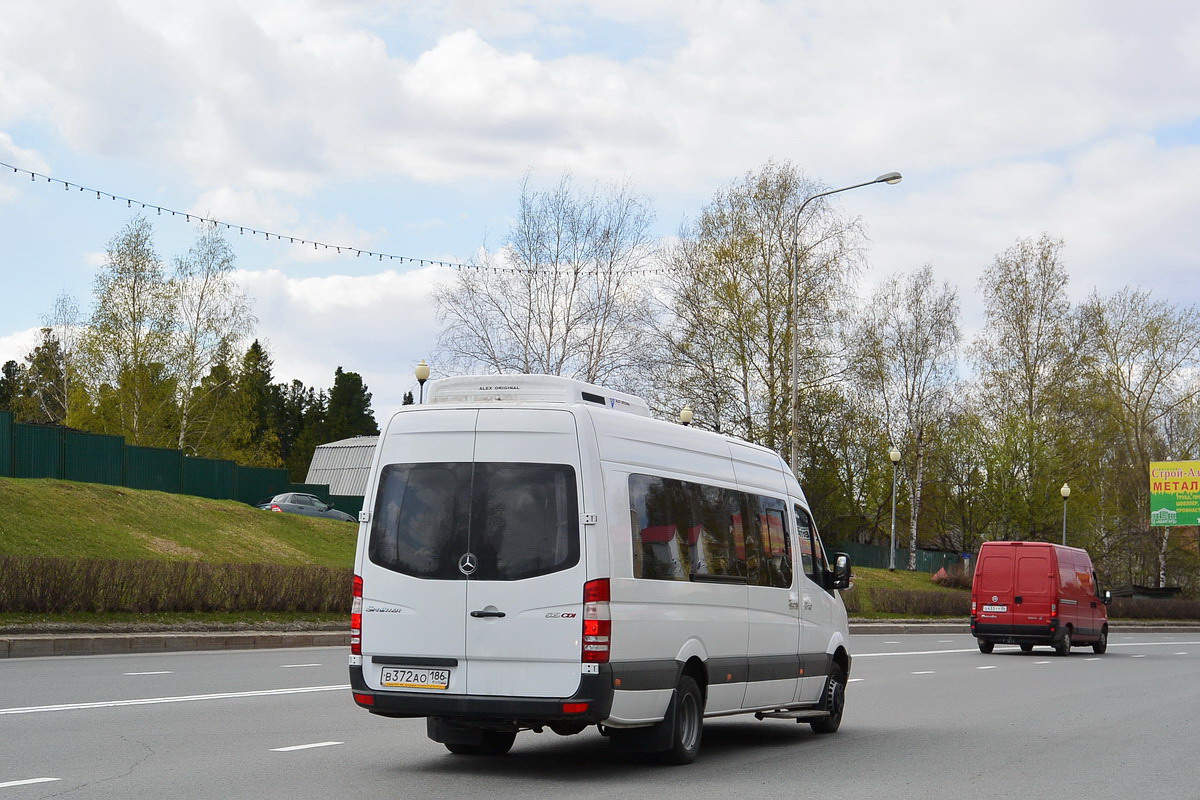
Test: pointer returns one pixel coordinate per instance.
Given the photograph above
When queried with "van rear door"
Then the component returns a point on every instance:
(1036, 589)
(525, 600)
(414, 628)
(993, 593)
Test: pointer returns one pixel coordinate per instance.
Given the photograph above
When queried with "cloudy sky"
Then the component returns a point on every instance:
(406, 127)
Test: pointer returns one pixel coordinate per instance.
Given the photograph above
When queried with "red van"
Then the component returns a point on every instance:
(1030, 593)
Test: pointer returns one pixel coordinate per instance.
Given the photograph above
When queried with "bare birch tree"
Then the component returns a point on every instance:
(1144, 355)
(565, 294)
(211, 316)
(907, 346)
(729, 333)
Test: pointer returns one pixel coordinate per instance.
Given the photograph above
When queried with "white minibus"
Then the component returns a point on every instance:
(539, 553)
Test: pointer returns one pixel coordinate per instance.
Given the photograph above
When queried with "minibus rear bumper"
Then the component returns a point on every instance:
(591, 704)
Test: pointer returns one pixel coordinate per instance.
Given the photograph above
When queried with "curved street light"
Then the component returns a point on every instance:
(891, 178)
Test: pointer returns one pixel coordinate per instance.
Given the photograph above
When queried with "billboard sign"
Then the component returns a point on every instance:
(1175, 493)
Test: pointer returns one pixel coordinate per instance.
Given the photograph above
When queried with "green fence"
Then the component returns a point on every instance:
(869, 555)
(93, 458)
(48, 451)
(6, 453)
(209, 477)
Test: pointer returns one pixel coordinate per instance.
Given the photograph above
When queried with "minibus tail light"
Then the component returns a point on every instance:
(597, 622)
(356, 618)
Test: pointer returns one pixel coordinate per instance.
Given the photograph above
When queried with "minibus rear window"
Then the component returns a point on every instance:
(519, 520)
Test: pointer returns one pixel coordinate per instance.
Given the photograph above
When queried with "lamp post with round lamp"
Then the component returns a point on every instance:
(422, 373)
(894, 455)
(685, 416)
(1065, 491)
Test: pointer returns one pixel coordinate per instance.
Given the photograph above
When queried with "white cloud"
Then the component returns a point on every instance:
(378, 325)
(16, 345)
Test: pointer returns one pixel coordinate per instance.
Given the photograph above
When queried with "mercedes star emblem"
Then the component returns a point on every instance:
(467, 564)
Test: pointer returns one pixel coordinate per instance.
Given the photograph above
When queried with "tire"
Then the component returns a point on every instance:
(1063, 648)
(986, 647)
(495, 743)
(835, 701)
(688, 710)
(1101, 644)
(1026, 648)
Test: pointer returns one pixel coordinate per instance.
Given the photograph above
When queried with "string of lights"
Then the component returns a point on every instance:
(296, 240)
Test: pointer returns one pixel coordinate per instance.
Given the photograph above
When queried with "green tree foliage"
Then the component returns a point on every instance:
(43, 397)
(350, 407)
(12, 384)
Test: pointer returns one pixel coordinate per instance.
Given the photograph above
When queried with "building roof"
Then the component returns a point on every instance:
(344, 465)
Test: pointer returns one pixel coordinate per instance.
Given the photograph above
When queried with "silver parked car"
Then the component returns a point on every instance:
(307, 504)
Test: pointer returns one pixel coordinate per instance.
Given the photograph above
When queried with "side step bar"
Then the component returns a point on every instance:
(800, 714)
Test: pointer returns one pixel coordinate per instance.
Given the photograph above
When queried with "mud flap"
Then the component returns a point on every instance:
(651, 739)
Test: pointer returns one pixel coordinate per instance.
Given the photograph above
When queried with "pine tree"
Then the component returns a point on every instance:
(350, 407)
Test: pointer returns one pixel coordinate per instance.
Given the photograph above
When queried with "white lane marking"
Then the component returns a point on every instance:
(158, 672)
(303, 747)
(923, 672)
(945, 641)
(1043, 662)
(990, 666)
(1138, 655)
(290, 666)
(1091, 659)
(28, 781)
(976, 649)
(855, 680)
(1181, 654)
(891, 643)
(149, 701)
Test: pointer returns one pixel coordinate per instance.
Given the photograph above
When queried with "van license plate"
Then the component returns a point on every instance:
(995, 608)
(415, 678)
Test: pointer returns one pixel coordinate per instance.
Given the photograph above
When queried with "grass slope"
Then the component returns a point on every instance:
(870, 578)
(88, 520)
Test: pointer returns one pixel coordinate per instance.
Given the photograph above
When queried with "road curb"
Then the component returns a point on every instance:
(90, 644)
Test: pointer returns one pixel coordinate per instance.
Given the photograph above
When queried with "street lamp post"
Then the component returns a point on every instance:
(889, 178)
(422, 373)
(685, 416)
(894, 455)
(1065, 491)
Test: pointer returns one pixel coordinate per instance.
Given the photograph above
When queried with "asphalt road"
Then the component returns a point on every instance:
(928, 717)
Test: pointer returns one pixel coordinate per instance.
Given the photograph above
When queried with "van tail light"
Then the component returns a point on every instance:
(356, 618)
(1054, 609)
(973, 602)
(597, 622)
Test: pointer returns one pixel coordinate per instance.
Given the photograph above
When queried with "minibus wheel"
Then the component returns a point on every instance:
(986, 647)
(835, 701)
(689, 723)
(495, 743)
(1063, 648)
(1101, 644)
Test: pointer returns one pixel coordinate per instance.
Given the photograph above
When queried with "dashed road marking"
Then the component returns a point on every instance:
(290, 666)
(989, 666)
(1043, 662)
(1138, 655)
(923, 672)
(1092, 659)
(303, 747)
(156, 672)
(856, 680)
(27, 782)
(1181, 654)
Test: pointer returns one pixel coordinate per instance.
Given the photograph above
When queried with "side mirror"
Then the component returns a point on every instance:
(1107, 597)
(841, 571)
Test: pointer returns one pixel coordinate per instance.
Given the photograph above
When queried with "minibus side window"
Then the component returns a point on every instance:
(804, 529)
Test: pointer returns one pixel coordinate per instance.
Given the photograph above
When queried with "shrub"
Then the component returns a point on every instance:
(910, 602)
(1129, 608)
(953, 579)
(42, 585)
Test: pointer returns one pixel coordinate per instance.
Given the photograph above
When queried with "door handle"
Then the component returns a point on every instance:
(793, 600)
(478, 614)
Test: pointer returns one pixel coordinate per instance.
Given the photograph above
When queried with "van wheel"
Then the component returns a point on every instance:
(495, 743)
(835, 701)
(1026, 647)
(986, 647)
(1101, 644)
(1063, 648)
(688, 707)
